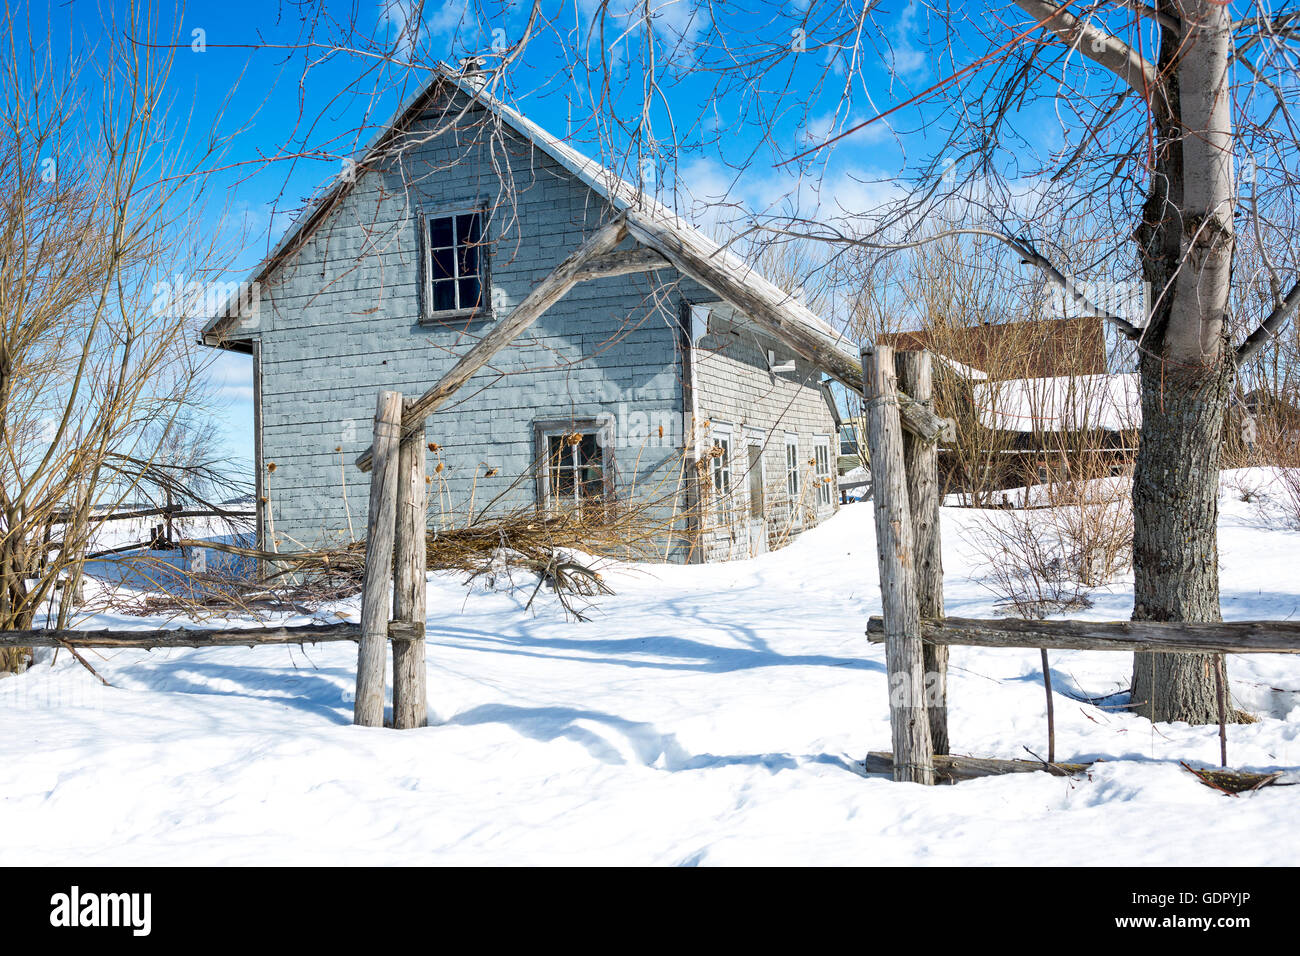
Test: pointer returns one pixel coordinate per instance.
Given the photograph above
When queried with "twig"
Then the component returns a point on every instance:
(1051, 765)
(86, 664)
(1206, 778)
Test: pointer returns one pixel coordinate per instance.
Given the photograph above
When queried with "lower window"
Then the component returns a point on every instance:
(720, 455)
(822, 471)
(574, 473)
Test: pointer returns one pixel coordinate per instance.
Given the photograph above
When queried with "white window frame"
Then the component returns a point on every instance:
(483, 308)
(545, 431)
(822, 455)
(793, 479)
(851, 437)
(793, 482)
(720, 470)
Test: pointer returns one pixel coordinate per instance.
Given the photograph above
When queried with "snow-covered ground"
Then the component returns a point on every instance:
(706, 715)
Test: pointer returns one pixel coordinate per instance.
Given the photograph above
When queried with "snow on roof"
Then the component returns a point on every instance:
(651, 222)
(967, 372)
(1065, 403)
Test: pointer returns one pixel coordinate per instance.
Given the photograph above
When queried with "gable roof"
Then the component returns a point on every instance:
(649, 221)
(1039, 348)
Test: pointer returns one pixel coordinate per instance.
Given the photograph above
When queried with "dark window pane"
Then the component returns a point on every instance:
(755, 481)
(456, 258)
(469, 290)
(588, 450)
(444, 295)
(593, 478)
(467, 228)
(443, 263)
(440, 232)
(468, 256)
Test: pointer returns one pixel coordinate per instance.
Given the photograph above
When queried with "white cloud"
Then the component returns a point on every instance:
(908, 58)
(682, 22)
(230, 378)
(408, 23)
(818, 129)
(722, 201)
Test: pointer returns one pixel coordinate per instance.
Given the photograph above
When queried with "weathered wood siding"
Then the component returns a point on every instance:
(735, 388)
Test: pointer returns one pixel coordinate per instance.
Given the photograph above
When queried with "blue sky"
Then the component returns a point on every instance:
(706, 143)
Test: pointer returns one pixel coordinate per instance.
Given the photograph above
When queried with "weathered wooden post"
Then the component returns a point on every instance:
(904, 658)
(921, 462)
(410, 698)
(376, 605)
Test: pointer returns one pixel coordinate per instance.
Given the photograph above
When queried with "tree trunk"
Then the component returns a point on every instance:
(1186, 244)
(14, 660)
(1175, 544)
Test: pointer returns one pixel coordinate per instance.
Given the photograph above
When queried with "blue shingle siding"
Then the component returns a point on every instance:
(341, 319)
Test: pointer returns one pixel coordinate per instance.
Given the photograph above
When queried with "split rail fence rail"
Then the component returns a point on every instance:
(395, 565)
(902, 439)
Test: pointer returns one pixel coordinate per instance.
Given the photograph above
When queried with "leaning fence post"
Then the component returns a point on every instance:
(372, 654)
(909, 725)
(410, 698)
(921, 462)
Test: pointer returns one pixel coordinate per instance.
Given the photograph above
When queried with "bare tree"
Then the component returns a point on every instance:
(1154, 102)
(99, 376)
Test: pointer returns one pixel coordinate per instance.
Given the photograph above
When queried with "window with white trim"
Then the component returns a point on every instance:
(575, 471)
(822, 470)
(720, 456)
(455, 265)
(849, 439)
(792, 466)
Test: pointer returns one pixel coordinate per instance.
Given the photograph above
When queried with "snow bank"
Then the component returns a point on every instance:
(706, 715)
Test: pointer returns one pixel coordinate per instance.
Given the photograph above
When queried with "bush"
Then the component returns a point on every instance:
(1071, 536)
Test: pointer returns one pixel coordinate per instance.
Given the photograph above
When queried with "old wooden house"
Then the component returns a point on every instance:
(672, 376)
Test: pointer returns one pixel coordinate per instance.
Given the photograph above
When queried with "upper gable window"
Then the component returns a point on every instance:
(455, 265)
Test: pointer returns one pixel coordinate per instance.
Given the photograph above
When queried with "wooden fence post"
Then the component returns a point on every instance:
(909, 725)
(921, 462)
(376, 605)
(410, 697)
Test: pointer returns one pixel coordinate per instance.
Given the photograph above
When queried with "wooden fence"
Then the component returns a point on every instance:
(392, 597)
(902, 435)
(903, 448)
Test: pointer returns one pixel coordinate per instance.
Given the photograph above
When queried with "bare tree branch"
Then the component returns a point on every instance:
(1094, 43)
(1021, 245)
(1269, 328)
